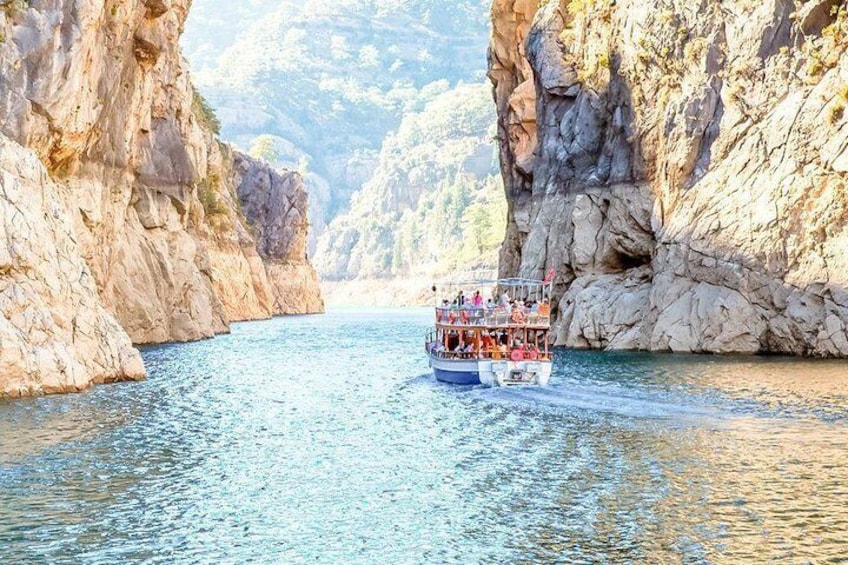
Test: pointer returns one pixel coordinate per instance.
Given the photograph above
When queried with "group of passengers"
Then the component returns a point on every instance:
(474, 311)
(495, 344)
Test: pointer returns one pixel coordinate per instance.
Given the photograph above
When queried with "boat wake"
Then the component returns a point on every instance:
(626, 403)
(581, 399)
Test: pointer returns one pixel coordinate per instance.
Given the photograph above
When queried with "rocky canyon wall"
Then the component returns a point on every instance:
(682, 166)
(123, 216)
(276, 207)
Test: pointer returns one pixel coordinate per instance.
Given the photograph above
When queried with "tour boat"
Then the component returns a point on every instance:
(502, 342)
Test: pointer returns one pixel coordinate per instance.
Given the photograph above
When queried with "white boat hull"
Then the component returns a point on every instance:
(491, 372)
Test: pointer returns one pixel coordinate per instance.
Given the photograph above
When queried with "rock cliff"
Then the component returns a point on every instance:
(55, 334)
(133, 209)
(683, 168)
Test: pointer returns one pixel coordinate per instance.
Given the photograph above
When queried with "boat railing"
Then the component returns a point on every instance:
(435, 349)
(490, 317)
(514, 355)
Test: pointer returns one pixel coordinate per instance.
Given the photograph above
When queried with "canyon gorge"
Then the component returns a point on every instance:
(682, 167)
(124, 219)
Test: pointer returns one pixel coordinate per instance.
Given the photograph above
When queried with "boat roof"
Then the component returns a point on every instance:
(514, 281)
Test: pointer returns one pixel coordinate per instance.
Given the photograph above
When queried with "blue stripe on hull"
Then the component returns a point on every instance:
(457, 377)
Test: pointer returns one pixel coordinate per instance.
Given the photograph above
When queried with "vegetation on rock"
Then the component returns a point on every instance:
(324, 82)
(217, 212)
(204, 113)
(13, 7)
(435, 203)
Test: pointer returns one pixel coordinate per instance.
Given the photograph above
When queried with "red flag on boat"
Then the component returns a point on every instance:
(549, 277)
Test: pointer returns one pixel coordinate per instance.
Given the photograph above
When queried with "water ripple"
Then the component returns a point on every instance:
(319, 439)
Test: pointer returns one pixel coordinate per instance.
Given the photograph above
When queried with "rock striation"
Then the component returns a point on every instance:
(132, 207)
(683, 168)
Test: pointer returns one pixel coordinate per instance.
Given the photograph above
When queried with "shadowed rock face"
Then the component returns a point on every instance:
(131, 174)
(275, 204)
(683, 170)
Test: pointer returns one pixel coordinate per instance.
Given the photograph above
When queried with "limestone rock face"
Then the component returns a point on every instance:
(515, 97)
(55, 335)
(683, 170)
(134, 177)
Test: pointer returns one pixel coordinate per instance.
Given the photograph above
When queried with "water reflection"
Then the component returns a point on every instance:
(267, 446)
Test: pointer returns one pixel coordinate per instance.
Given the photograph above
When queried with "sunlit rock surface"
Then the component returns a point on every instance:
(134, 178)
(682, 168)
(55, 334)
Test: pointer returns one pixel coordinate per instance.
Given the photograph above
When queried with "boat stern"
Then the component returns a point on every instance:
(513, 373)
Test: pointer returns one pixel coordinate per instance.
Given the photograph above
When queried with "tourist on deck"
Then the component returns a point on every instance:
(487, 342)
(490, 304)
(505, 299)
(517, 316)
(477, 300)
(544, 308)
(459, 350)
(453, 340)
(460, 299)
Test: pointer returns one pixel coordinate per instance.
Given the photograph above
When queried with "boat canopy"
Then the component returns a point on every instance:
(510, 282)
(521, 282)
(514, 287)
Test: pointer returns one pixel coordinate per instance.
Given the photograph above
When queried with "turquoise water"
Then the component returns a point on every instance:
(323, 440)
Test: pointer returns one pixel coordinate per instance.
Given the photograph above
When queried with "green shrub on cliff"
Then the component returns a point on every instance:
(216, 211)
(13, 7)
(263, 147)
(835, 113)
(824, 52)
(204, 113)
